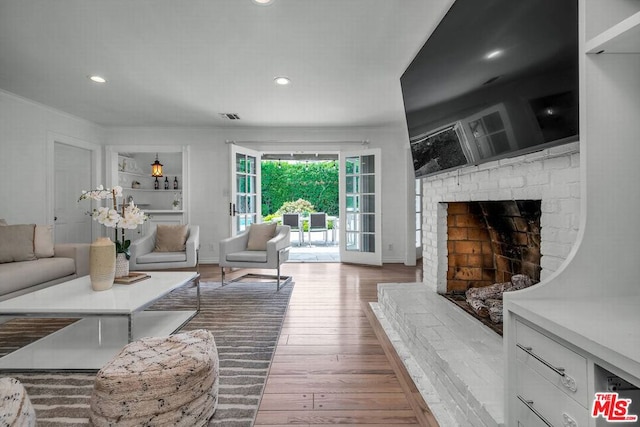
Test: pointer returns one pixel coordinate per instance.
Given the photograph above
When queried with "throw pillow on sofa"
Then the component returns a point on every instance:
(42, 240)
(16, 243)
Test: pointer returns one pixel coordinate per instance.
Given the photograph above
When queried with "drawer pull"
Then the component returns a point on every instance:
(529, 404)
(567, 421)
(529, 350)
(569, 383)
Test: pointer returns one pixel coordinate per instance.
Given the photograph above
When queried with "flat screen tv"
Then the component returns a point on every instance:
(497, 78)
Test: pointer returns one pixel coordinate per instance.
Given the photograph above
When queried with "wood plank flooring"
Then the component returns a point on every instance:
(334, 364)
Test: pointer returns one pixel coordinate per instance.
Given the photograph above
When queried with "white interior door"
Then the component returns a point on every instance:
(245, 205)
(72, 174)
(361, 207)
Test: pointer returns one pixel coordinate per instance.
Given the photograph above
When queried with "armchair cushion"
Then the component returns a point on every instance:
(171, 238)
(248, 256)
(153, 257)
(259, 235)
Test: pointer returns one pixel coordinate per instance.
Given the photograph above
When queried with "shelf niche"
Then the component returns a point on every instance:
(134, 165)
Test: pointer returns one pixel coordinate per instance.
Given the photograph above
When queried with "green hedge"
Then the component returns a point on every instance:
(316, 182)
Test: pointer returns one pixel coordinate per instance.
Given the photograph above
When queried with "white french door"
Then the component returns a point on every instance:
(361, 207)
(246, 201)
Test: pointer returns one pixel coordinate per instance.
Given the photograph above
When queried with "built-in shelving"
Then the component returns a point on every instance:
(151, 190)
(590, 305)
(134, 165)
(623, 37)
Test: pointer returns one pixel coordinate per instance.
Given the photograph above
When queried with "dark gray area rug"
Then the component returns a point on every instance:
(244, 318)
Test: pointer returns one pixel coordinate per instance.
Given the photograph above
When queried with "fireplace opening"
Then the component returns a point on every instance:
(493, 245)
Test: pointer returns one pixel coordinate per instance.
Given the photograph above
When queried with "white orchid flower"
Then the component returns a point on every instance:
(129, 218)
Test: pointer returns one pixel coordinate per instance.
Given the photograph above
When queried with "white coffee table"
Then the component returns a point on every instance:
(109, 320)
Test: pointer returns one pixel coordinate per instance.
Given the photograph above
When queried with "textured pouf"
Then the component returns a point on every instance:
(15, 406)
(159, 381)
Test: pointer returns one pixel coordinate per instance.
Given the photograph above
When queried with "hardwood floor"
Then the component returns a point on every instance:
(334, 364)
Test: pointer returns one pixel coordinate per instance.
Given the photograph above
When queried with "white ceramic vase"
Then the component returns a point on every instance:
(102, 264)
(122, 266)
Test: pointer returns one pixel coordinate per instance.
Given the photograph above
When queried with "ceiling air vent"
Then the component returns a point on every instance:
(230, 116)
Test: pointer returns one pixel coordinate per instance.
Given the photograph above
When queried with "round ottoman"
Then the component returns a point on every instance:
(15, 406)
(159, 381)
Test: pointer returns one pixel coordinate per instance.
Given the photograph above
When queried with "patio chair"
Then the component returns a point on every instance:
(318, 223)
(293, 221)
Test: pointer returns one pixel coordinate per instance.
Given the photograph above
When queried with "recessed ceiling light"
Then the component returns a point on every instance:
(262, 2)
(493, 54)
(282, 81)
(97, 79)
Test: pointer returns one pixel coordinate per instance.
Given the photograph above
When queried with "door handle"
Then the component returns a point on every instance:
(232, 209)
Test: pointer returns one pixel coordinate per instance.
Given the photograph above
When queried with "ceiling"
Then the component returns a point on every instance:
(183, 63)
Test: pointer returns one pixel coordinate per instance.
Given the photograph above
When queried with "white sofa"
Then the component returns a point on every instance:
(29, 260)
(70, 260)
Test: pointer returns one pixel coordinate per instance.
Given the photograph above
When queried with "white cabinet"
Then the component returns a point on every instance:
(550, 380)
(584, 319)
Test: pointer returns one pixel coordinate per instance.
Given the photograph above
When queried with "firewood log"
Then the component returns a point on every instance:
(520, 281)
(495, 310)
(479, 307)
(491, 291)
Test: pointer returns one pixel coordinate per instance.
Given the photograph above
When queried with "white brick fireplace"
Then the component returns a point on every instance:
(552, 176)
(455, 360)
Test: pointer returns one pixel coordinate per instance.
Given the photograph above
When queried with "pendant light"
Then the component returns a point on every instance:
(156, 168)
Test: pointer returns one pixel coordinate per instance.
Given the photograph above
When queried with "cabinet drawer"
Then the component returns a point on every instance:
(544, 401)
(562, 367)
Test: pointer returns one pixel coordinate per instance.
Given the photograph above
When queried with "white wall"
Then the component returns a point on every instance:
(209, 171)
(27, 132)
(28, 129)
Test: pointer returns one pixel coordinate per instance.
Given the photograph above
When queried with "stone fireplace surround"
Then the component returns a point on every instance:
(456, 362)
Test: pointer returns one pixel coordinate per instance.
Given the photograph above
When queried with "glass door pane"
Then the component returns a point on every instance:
(360, 208)
(245, 191)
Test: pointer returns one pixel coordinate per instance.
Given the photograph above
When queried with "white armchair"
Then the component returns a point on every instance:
(237, 252)
(145, 258)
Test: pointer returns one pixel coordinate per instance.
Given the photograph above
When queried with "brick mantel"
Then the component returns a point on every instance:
(551, 175)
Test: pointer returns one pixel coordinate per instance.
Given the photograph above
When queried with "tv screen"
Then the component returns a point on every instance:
(497, 78)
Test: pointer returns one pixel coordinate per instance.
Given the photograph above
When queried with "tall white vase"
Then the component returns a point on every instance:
(102, 264)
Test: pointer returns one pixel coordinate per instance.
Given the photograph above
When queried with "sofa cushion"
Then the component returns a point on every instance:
(171, 238)
(16, 243)
(248, 256)
(15, 276)
(43, 241)
(259, 235)
(152, 257)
